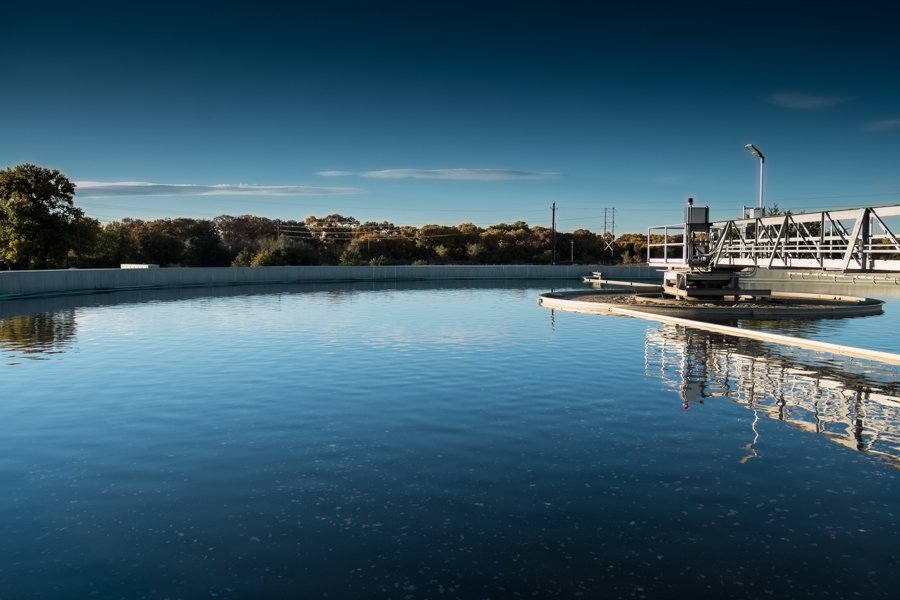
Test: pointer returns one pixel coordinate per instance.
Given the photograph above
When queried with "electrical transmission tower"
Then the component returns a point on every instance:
(609, 226)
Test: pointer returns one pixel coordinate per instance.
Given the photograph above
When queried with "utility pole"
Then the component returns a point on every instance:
(553, 229)
(572, 256)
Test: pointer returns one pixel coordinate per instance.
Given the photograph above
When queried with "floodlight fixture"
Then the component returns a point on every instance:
(755, 152)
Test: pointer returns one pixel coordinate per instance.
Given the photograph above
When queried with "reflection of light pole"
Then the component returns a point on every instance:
(762, 163)
(752, 445)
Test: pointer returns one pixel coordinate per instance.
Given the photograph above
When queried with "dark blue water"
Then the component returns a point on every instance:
(452, 442)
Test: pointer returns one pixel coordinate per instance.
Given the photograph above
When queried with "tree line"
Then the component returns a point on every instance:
(40, 227)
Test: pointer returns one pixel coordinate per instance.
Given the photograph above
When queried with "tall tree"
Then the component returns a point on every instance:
(86, 235)
(117, 243)
(203, 246)
(159, 243)
(38, 219)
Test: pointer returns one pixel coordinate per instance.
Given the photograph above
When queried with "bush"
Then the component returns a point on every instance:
(282, 252)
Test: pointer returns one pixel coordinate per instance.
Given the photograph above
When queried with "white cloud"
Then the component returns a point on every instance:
(452, 174)
(335, 173)
(804, 101)
(884, 125)
(94, 189)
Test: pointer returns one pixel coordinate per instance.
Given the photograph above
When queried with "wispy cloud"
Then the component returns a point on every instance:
(336, 173)
(452, 174)
(883, 125)
(94, 189)
(804, 101)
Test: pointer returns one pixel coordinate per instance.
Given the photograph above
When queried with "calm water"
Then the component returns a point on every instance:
(457, 442)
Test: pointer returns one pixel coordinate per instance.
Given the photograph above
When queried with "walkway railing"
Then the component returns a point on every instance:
(859, 239)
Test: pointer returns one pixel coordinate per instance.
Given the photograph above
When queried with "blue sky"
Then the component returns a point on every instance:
(447, 112)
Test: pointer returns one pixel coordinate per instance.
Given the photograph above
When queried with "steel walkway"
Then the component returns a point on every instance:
(848, 240)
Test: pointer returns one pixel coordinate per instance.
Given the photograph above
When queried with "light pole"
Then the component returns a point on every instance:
(762, 165)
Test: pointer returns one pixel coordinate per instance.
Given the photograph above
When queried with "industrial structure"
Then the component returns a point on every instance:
(703, 258)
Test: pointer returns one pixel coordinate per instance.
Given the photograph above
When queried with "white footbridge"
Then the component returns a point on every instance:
(846, 240)
(703, 258)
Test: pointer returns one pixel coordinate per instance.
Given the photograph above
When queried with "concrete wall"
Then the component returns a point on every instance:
(631, 272)
(34, 283)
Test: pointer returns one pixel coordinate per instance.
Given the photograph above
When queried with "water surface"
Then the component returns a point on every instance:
(421, 442)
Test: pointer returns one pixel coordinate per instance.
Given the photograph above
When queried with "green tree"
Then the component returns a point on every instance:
(85, 236)
(38, 218)
(159, 244)
(117, 243)
(243, 235)
(203, 246)
(589, 247)
(243, 258)
(283, 251)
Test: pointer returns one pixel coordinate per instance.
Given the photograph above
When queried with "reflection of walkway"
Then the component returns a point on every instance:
(852, 403)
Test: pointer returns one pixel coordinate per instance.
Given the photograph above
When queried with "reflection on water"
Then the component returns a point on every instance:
(854, 403)
(36, 336)
(369, 443)
(35, 328)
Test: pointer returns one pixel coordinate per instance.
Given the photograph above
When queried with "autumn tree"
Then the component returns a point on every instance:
(38, 218)
(244, 233)
(332, 234)
(450, 244)
(381, 243)
(633, 247)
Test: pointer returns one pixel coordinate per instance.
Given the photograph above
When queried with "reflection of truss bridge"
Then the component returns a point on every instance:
(858, 239)
(856, 407)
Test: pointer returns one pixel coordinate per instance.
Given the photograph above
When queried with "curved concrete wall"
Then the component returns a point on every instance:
(31, 283)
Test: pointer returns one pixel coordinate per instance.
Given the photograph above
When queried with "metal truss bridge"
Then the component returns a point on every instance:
(848, 240)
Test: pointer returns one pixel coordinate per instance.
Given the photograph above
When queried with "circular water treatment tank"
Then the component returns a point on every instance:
(777, 305)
